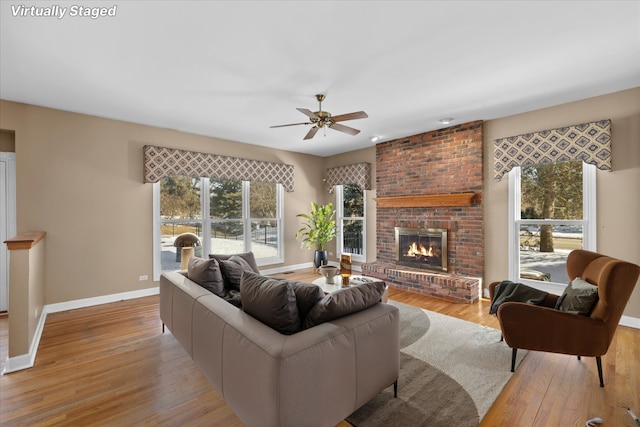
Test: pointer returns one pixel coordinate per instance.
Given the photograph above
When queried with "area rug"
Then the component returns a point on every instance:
(451, 372)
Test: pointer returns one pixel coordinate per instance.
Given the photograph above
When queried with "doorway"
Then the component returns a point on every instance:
(7, 220)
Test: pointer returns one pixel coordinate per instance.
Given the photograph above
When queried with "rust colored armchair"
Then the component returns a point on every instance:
(545, 328)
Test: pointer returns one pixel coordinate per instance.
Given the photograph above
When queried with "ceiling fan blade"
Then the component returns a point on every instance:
(343, 128)
(311, 133)
(350, 116)
(291, 124)
(308, 113)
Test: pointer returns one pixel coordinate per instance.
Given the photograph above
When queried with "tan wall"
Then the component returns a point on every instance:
(618, 192)
(79, 178)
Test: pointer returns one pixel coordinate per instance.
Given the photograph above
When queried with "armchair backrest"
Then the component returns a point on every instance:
(615, 280)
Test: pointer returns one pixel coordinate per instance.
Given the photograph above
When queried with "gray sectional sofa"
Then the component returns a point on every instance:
(315, 373)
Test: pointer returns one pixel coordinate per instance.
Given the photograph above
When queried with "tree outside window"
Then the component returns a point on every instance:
(550, 218)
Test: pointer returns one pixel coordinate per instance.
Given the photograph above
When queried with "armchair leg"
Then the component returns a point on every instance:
(395, 388)
(599, 363)
(514, 352)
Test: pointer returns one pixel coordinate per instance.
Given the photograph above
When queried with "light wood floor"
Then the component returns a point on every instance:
(111, 365)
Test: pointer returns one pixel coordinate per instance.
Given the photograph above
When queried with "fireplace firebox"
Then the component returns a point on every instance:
(422, 248)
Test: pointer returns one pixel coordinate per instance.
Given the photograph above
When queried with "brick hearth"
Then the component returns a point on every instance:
(443, 162)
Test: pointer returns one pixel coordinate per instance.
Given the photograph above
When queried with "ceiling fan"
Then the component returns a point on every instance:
(320, 119)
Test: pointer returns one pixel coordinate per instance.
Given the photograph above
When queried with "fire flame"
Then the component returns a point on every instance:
(414, 250)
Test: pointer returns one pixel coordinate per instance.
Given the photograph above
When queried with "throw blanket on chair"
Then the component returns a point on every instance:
(518, 292)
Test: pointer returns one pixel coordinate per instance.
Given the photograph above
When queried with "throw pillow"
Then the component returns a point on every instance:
(206, 273)
(271, 301)
(247, 256)
(579, 297)
(232, 269)
(307, 295)
(343, 302)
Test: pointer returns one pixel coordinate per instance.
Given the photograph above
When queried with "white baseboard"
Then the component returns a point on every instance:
(25, 361)
(286, 268)
(632, 322)
(105, 299)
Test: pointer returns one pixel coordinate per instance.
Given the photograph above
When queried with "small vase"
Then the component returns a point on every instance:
(328, 271)
(320, 258)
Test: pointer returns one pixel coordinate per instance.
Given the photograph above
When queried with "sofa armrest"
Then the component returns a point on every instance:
(540, 328)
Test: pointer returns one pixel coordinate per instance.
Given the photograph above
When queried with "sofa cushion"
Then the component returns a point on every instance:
(271, 301)
(247, 256)
(206, 273)
(307, 295)
(232, 269)
(578, 297)
(343, 302)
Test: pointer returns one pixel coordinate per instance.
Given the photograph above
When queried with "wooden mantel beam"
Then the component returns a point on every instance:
(429, 200)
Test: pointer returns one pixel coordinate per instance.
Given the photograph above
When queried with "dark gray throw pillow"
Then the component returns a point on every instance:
(579, 297)
(271, 301)
(307, 295)
(232, 269)
(206, 273)
(343, 302)
(247, 256)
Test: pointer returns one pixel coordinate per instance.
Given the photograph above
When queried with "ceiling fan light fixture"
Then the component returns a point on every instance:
(323, 119)
(446, 121)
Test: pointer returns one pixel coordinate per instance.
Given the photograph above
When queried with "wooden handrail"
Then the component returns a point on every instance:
(25, 240)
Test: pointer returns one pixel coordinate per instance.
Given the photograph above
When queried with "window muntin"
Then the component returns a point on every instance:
(351, 224)
(553, 210)
(221, 209)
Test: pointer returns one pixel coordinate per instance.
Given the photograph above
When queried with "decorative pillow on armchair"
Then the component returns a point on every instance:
(579, 297)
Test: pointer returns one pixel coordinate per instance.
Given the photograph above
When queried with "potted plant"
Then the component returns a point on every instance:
(318, 229)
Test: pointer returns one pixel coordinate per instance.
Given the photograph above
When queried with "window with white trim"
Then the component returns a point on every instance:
(236, 216)
(552, 211)
(351, 222)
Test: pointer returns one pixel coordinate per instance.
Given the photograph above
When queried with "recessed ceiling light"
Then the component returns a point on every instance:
(374, 138)
(446, 121)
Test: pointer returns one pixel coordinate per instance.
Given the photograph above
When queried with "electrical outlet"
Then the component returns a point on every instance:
(143, 278)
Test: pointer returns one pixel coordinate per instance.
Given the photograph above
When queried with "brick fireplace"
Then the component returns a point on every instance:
(432, 181)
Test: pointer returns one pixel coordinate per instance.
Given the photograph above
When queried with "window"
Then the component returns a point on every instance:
(350, 215)
(552, 212)
(237, 216)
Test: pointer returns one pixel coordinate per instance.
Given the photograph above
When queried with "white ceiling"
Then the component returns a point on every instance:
(231, 69)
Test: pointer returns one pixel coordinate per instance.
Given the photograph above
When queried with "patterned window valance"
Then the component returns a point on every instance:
(160, 162)
(357, 174)
(589, 142)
